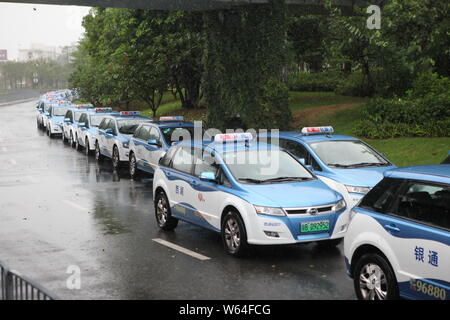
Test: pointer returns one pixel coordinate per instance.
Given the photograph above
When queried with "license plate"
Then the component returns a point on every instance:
(315, 226)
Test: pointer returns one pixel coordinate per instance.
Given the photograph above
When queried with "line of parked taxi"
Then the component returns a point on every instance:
(291, 187)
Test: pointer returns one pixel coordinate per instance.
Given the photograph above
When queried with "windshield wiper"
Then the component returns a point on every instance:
(251, 180)
(367, 164)
(287, 179)
(337, 165)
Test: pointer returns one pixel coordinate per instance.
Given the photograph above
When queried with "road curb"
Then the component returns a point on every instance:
(17, 101)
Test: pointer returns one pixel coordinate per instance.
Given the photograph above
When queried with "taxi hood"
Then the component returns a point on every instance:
(291, 194)
(361, 177)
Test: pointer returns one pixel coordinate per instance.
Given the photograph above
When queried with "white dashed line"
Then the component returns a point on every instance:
(4, 149)
(181, 249)
(13, 162)
(73, 204)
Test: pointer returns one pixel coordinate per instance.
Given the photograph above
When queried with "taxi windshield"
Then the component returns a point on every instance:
(176, 134)
(347, 154)
(59, 112)
(128, 126)
(264, 166)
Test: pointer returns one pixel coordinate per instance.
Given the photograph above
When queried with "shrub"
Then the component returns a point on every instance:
(319, 81)
(423, 112)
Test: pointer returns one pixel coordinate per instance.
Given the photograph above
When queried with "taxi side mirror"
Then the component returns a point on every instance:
(67, 120)
(82, 124)
(153, 142)
(208, 176)
(109, 131)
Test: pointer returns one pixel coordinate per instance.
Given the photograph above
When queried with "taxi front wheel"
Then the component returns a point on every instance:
(163, 214)
(234, 236)
(374, 278)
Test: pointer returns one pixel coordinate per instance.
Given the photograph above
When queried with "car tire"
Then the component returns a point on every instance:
(77, 143)
(98, 156)
(134, 171)
(374, 279)
(71, 141)
(163, 213)
(63, 137)
(87, 150)
(234, 235)
(330, 243)
(115, 159)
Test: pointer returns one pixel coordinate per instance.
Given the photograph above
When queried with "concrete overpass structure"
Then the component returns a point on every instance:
(194, 5)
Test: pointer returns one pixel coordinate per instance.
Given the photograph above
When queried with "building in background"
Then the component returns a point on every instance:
(3, 55)
(62, 54)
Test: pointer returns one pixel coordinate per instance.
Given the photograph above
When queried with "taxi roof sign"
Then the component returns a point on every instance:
(171, 118)
(129, 113)
(98, 110)
(233, 137)
(317, 130)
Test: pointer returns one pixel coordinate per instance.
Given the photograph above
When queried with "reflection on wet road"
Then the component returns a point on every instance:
(60, 209)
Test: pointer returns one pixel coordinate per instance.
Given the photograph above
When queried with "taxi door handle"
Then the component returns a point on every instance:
(391, 228)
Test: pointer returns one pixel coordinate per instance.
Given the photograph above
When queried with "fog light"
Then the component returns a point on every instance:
(272, 234)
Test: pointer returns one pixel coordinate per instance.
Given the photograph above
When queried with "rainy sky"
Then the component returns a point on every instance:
(51, 25)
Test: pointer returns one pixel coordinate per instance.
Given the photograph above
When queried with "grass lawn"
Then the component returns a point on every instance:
(401, 151)
(304, 100)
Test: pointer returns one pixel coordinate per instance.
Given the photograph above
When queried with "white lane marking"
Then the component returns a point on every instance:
(73, 204)
(181, 249)
(13, 162)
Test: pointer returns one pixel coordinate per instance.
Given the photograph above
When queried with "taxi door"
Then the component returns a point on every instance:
(102, 135)
(110, 138)
(153, 153)
(419, 223)
(179, 178)
(207, 196)
(139, 141)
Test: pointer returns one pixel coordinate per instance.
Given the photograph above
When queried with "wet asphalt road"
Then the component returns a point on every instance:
(60, 209)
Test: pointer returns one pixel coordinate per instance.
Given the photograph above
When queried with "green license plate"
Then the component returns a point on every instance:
(315, 226)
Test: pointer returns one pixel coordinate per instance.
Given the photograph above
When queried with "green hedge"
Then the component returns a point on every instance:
(423, 112)
(319, 81)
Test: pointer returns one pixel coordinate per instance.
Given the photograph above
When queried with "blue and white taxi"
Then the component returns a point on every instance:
(87, 128)
(43, 108)
(151, 140)
(251, 193)
(114, 134)
(55, 119)
(346, 164)
(398, 240)
(71, 121)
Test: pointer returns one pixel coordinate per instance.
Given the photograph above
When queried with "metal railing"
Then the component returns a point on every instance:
(14, 286)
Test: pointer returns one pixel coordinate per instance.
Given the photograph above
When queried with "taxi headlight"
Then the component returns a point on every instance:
(340, 205)
(270, 211)
(361, 190)
(125, 144)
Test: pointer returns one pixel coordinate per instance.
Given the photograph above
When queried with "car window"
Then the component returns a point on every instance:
(167, 158)
(204, 162)
(382, 196)
(102, 124)
(426, 203)
(183, 160)
(112, 126)
(299, 152)
(154, 134)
